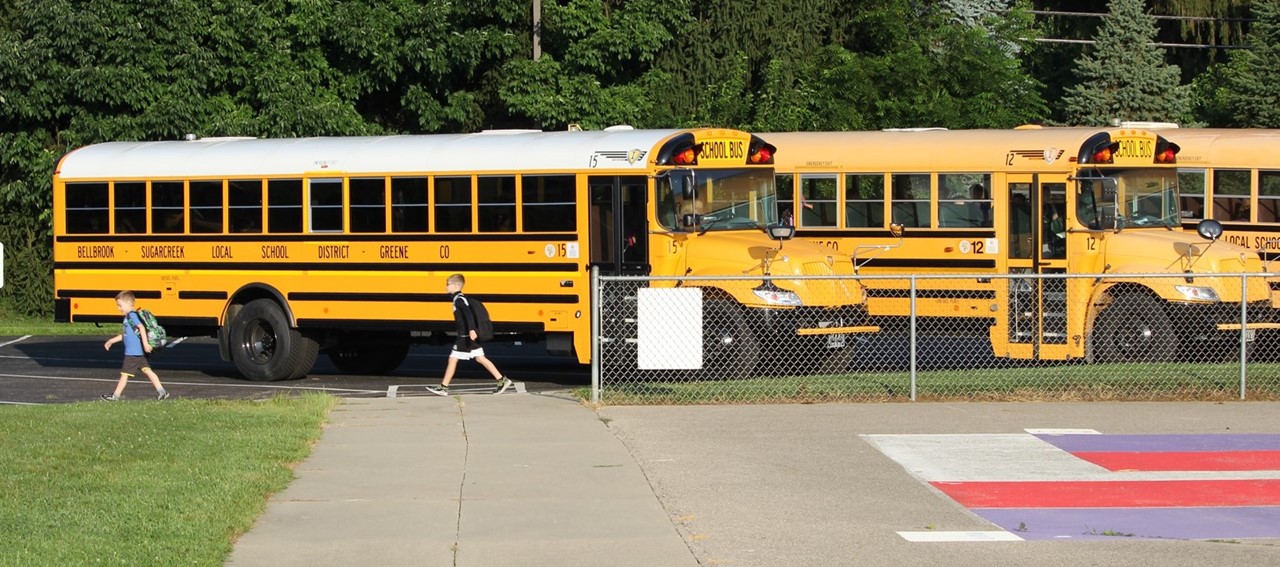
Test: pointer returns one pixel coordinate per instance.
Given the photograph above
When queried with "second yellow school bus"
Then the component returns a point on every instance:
(1030, 200)
(287, 248)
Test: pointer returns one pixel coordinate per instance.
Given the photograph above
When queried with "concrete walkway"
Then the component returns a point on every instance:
(471, 480)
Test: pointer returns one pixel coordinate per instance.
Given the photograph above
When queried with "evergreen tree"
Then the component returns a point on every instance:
(1124, 76)
(1250, 89)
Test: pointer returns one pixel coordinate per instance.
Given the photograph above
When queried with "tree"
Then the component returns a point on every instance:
(1124, 76)
(1249, 91)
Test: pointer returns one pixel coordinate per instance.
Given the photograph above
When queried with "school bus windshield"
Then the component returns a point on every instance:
(717, 199)
(1134, 198)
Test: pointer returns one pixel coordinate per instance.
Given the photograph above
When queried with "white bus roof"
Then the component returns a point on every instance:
(494, 150)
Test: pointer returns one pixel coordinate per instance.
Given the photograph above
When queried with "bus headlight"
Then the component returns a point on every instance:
(1197, 293)
(774, 295)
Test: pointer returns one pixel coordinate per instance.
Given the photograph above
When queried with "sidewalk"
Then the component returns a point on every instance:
(473, 480)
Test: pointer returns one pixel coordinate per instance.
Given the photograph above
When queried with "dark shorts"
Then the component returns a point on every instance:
(134, 364)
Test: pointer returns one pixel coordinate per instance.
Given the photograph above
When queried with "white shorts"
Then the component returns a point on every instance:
(461, 355)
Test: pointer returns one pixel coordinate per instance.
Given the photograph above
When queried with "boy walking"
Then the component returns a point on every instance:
(136, 349)
(465, 347)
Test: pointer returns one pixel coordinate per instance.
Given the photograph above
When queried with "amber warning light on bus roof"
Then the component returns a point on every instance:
(760, 152)
(1166, 151)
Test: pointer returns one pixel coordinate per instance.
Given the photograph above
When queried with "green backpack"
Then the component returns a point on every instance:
(155, 333)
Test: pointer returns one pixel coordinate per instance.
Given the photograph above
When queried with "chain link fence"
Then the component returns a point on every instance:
(955, 337)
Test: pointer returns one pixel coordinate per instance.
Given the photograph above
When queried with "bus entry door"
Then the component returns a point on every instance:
(619, 225)
(1035, 322)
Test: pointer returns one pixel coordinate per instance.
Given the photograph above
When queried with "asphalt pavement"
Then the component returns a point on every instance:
(541, 479)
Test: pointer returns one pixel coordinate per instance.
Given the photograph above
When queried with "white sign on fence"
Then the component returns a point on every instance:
(669, 328)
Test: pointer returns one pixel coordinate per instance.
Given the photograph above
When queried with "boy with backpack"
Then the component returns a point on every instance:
(466, 346)
(137, 348)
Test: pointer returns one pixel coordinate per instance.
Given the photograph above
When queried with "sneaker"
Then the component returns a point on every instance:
(110, 398)
(162, 395)
(439, 390)
(503, 384)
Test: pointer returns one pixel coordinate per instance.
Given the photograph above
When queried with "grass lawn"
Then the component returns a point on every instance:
(145, 483)
(12, 325)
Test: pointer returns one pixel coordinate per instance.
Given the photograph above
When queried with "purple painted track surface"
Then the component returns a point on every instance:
(1125, 523)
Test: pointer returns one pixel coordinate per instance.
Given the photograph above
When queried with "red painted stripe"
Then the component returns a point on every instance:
(1113, 494)
(1185, 461)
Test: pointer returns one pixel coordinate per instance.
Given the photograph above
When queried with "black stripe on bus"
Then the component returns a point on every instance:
(202, 295)
(426, 297)
(269, 266)
(924, 233)
(320, 237)
(105, 293)
(918, 263)
(879, 293)
(190, 322)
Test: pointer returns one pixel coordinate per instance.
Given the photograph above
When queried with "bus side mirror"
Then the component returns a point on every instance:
(780, 232)
(1209, 229)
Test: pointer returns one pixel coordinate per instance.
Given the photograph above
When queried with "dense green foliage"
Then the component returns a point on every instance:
(1245, 91)
(76, 72)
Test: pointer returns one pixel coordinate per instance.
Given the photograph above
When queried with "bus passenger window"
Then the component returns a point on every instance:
(864, 200)
(87, 211)
(368, 199)
(131, 208)
(284, 205)
(497, 204)
(1191, 188)
(325, 200)
(453, 204)
(548, 203)
(911, 200)
(785, 183)
(967, 203)
(1269, 196)
(206, 207)
(1019, 221)
(818, 195)
(409, 204)
(1231, 195)
(167, 207)
(244, 205)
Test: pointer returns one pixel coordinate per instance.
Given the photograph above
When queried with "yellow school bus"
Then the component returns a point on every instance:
(1030, 200)
(1233, 177)
(287, 248)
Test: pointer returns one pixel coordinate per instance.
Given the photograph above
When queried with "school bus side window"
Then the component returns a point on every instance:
(368, 198)
(244, 205)
(819, 193)
(911, 199)
(964, 200)
(1191, 187)
(548, 203)
(1231, 195)
(453, 204)
(325, 202)
(87, 211)
(1268, 196)
(409, 211)
(497, 204)
(864, 200)
(206, 207)
(785, 183)
(167, 202)
(131, 207)
(284, 205)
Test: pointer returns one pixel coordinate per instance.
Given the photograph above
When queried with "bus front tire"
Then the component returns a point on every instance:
(729, 347)
(1134, 328)
(265, 348)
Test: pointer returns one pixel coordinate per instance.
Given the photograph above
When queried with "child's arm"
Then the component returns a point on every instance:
(112, 340)
(142, 334)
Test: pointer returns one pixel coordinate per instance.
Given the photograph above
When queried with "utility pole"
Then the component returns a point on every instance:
(537, 29)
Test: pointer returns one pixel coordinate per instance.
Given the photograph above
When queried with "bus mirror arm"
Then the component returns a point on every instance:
(894, 229)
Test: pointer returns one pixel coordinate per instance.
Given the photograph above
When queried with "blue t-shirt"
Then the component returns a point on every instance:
(132, 340)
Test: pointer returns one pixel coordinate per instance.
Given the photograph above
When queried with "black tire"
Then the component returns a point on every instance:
(729, 347)
(1134, 328)
(370, 358)
(264, 347)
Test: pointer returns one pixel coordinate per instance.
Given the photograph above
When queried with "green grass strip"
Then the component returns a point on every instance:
(145, 482)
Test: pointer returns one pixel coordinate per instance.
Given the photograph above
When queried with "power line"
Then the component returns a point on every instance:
(1103, 15)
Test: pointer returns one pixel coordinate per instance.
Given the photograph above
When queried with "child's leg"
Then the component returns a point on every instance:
(449, 369)
(488, 365)
(155, 380)
(124, 381)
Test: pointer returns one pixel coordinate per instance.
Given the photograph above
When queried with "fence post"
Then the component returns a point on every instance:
(1244, 321)
(596, 347)
(912, 339)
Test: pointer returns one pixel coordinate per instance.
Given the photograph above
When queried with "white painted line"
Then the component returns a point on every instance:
(2, 402)
(1067, 431)
(171, 344)
(964, 457)
(936, 536)
(20, 339)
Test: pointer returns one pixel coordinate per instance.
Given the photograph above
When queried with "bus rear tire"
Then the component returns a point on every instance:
(1134, 328)
(265, 348)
